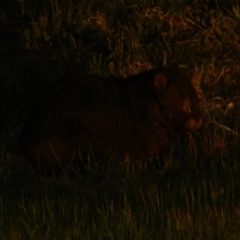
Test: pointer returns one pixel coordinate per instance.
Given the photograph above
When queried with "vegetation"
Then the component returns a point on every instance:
(194, 192)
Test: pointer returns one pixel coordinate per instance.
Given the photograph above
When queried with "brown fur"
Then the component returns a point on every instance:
(132, 117)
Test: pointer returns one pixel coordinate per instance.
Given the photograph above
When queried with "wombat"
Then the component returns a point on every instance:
(133, 117)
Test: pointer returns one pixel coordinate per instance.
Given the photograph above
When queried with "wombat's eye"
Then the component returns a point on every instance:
(187, 109)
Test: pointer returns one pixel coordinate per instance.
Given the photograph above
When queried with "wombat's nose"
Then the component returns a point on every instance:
(193, 124)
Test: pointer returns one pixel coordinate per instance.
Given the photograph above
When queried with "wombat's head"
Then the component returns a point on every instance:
(178, 100)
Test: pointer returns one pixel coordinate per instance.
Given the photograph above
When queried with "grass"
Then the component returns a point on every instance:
(194, 193)
(167, 203)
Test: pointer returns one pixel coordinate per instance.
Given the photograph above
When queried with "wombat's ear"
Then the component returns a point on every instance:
(160, 81)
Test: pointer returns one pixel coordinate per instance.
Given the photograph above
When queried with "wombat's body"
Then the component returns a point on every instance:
(132, 117)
